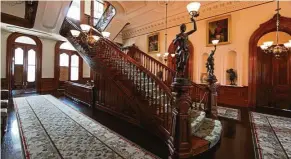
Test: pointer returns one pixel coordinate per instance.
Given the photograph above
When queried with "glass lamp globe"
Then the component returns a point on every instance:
(85, 27)
(105, 34)
(193, 8)
(75, 33)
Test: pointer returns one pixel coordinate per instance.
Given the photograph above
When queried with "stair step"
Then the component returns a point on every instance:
(196, 120)
(210, 130)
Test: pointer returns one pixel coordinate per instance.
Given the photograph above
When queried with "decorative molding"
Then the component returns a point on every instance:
(206, 11)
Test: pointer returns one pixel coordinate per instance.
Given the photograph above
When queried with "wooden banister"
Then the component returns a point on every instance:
(199, 93)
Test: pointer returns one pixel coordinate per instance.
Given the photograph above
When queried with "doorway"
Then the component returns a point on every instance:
(270, 78)
(23, 64)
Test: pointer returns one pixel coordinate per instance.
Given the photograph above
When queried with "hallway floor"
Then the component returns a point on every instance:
(236, 140)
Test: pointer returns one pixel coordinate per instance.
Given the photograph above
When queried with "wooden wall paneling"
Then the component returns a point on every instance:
(47, 85)
(233, 96)
(254, 63)
(10, 54)
(4, 83)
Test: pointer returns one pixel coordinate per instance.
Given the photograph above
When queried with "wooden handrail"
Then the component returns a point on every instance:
(139, 55)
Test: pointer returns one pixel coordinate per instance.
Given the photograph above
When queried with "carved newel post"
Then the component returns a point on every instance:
(211, 109)
(182, 135)
(181, 90)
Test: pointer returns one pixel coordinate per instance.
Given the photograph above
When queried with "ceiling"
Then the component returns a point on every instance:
(138, 13)
(48, 21)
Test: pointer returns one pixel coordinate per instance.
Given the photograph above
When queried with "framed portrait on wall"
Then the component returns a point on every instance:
(153, 43)
(218, 28)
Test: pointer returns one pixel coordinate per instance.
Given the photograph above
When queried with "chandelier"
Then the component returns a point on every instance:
(278, 49)
(87, 31)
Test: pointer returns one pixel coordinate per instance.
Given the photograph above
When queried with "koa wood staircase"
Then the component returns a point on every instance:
(129, 89)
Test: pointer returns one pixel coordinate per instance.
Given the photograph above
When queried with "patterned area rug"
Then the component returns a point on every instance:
(228, 113)
(272, 136)
(51, 129)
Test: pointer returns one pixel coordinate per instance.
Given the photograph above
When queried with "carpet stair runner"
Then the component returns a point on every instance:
(206, 129)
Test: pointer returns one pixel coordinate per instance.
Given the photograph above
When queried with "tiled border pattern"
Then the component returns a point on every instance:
(272, 135)
(79, 137)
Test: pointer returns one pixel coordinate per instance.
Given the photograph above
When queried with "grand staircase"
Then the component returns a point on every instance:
(203, 123)
(129, 88)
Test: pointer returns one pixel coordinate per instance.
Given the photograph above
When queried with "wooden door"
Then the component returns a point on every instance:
(24, 67)
(273, 84)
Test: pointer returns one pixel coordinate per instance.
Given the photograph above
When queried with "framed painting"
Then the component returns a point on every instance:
(153, 43)
(218, 28)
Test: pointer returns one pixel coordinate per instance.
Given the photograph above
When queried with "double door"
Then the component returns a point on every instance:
(24, 67)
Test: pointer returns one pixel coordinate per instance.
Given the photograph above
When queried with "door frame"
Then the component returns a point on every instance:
(9, 64)
(264, 28)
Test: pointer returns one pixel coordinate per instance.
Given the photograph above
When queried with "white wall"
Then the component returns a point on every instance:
(243, 24)
(48, 57)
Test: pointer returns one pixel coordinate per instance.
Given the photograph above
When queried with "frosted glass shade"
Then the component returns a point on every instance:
(96, 37)
(193, 7)
(166, 54)
(105, 34)
(173, 55)
(268, 43)
(290, 41)
(288, 45)
(158, 55)
(215, 42)
(85, 27)
(75, 33)
(264, 47)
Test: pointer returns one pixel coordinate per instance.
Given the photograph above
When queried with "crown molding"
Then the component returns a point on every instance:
(206, 11)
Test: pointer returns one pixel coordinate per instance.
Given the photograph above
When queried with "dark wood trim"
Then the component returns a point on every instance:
(264, 28)
(9, 54)
(47, 85)
(29, 17)
(4, 83)
(232, 96)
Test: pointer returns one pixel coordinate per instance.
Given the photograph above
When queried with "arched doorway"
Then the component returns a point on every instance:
(24, 54)
(264, 87)
(171, 62)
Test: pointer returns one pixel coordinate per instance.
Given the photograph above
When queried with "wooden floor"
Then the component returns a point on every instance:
(236, 140)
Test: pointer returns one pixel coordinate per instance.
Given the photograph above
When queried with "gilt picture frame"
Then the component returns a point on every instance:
(218, 28)
(153, 43)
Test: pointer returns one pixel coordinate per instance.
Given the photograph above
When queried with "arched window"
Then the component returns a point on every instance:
(69, 63)
(31, 66)
(75, 10)
(74, 67)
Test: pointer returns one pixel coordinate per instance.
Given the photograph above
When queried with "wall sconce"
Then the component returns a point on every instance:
(193, 8)
(166, 54)
(105, 34)
(75, 33)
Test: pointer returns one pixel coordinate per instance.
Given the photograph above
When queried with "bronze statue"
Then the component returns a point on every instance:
(182, 51)
(232, 76)
(210, 62)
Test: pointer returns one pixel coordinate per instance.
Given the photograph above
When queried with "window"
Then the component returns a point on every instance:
(74, 11)
(98, 10)
(31, 66)
(64, 59)
(18, 56)
(74, 67)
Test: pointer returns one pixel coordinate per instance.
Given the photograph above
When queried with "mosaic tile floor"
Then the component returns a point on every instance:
(51, 129)
(272, 135)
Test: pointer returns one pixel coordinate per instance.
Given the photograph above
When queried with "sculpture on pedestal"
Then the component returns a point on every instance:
(232, 76)
(182, 51)
(210, 64)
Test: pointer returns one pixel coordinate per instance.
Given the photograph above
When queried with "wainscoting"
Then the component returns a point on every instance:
(233, 96)
(4, 83)
(47, 85)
